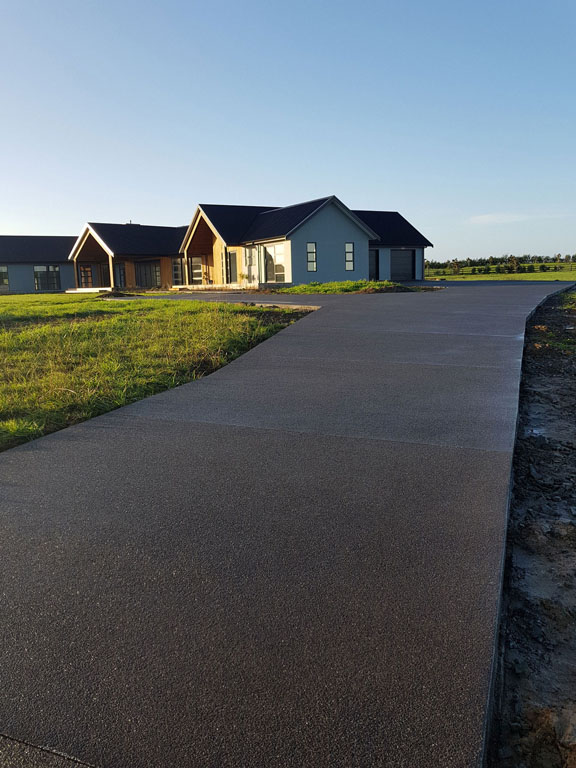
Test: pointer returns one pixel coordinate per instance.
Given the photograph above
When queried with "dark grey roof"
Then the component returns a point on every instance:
(245, 223)
(231, 221)
(140, 239)
(392, 228)
(37, 249)
(278, 222)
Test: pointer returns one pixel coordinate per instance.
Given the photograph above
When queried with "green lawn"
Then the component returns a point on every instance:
(347, 286)
(565, 272)
(64, 359)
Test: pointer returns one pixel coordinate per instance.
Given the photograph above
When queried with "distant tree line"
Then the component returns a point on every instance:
(508, 263)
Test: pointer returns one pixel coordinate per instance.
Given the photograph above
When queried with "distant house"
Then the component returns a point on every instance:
(128, 256)
(35, 263)
(245, 245)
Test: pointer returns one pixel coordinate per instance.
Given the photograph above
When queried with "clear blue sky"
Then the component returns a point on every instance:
(461, 115)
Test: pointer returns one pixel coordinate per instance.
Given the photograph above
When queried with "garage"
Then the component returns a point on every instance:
(402, 265)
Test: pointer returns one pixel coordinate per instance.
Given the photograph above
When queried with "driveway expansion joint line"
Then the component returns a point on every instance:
(283, 430)
(382, 363)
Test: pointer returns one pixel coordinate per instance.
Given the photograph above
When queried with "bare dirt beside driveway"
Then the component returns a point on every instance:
(536, 722)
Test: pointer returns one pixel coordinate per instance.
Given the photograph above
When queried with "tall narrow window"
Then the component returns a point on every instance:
(349, 248)
(4, 278)
(279, 271)
(232, 267)
(311, 257)
(177, 270)
(120, 274)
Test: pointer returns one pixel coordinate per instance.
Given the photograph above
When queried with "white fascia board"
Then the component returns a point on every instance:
(82, 239)
(192, 228)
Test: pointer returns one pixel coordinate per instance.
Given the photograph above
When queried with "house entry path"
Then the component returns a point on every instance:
(295, 561)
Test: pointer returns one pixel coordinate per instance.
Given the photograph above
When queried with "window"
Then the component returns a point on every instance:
(85, 276)
(148, 274)
(178, 271)
(232, 267)
(47, 278)
(251, 264)
(311, 257)
(229, 266)
(3, 277)
(195, 269)
(120, 274)
(269, 262)
(349, 249)
(279, 271)
(274, 263)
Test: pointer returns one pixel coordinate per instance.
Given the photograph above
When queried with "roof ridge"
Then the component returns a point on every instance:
(74, 236)
(293, 205)
(236, 205)
(373, 210)
(135, 224)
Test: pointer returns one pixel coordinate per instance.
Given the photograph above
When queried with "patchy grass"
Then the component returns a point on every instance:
(559, 334)
(64, 359)
(348, 286)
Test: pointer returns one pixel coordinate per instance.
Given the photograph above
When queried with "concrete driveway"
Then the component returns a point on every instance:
(294, 562)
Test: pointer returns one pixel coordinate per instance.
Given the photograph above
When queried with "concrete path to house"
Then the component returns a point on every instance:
(294, 562)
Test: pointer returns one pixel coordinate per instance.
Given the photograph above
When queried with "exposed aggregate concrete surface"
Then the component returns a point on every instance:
(295, 561)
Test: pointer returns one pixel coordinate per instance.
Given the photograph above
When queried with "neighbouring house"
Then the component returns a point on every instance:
(35, 263)
(252, 246)
(128, 256)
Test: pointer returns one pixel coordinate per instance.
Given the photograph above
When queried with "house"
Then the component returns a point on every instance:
(319, 240)
(35, 263)
(252, 246)
(128, 256)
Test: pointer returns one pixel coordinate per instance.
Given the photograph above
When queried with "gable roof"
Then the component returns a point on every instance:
(139, 239)
(278, 222)
(393, 229)
(248, 223)
(231, 221)
(37, 249)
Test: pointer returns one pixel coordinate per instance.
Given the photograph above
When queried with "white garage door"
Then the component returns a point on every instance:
(402, 265)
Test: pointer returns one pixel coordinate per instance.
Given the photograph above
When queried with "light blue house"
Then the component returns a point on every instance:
(35, 263)
(316, 241)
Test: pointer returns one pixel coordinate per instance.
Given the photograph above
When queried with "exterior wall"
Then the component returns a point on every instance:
(419, 263)
(130, 274)
(21, 278)
(166, 271)
(330, 229)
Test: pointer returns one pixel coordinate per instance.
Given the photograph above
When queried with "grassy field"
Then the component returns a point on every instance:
(347, 286)
(64, 359)
(565, 272)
